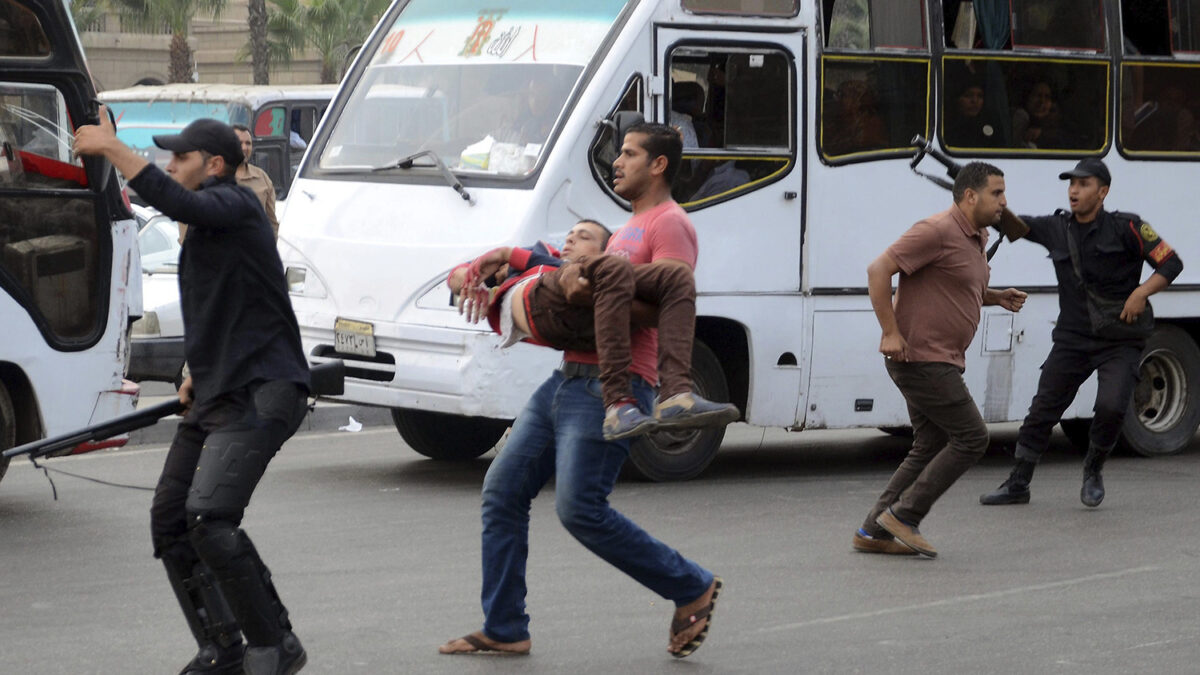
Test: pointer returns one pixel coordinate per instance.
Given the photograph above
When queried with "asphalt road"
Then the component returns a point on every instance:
(376, 553)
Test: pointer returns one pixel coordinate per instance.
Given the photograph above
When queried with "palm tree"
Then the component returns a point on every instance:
(177, 16)
(258, 41)
(331, 27)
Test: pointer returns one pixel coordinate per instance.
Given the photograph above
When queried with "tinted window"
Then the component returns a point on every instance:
(866, 24)
(872, 104)
(21, 33)
(1022, 104)
(744, 7)
(1062, 24)
(1159, 107)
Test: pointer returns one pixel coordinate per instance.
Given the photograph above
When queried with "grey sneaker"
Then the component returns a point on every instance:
(623, 420)
(689, 410)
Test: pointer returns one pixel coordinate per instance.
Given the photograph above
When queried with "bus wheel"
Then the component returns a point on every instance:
(682, 455)
(1165, 410)
(8, 427)
(447, 437)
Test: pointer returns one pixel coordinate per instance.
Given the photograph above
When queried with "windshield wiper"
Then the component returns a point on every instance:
(409, 161)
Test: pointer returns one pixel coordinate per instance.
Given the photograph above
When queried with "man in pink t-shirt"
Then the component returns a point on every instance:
(943, 284)
(558, 435)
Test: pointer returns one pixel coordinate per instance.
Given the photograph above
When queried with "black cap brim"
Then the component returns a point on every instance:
(1077, 173)
(174, 143)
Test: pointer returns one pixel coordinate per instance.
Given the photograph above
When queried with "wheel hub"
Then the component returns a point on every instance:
(1160, 397)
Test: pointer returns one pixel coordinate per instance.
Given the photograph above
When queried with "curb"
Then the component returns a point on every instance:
(327, 416)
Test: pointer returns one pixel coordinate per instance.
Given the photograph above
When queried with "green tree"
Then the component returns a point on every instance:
(332, 28)
(176, 16)
(88, 13)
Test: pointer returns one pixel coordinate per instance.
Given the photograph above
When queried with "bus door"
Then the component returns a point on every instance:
(737, 99)
(282, 132)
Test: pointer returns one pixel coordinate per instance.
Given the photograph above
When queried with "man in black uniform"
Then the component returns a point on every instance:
(1111, 247)
(246, 395)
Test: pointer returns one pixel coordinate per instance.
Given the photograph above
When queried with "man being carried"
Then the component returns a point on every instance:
(548, 310)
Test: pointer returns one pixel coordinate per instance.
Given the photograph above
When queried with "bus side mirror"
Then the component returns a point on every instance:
(621, 122)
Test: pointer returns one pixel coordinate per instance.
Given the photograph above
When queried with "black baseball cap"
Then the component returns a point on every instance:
(209, 135)
(1089, 167)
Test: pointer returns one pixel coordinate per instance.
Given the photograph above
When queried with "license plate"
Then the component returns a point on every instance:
(354, 337)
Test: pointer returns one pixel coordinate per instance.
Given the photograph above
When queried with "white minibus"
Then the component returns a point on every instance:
(466, 126)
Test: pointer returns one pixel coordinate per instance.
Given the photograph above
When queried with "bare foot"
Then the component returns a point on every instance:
(478, 643)
(691, 620)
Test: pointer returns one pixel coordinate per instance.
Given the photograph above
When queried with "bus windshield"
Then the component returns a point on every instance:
(139, 121)
(481, 87)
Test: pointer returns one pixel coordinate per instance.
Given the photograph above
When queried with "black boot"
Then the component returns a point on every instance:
(207, 614)
(285, 658)
(1092, 492)
(1015, 489)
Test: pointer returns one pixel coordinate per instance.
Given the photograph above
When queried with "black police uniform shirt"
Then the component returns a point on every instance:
(239, 326)
(1111, 251)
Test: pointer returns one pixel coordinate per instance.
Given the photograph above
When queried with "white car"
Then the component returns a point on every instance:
(157, 338)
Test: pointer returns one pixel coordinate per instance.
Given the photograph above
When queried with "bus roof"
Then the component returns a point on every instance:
(250, 94)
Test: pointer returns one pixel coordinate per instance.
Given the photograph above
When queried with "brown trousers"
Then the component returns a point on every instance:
(949, 437)
(604, 326)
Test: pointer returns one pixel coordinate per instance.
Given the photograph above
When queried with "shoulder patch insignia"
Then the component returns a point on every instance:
(1148, 233)
(1159, 253)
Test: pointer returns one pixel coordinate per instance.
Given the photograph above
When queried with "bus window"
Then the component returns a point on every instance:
(868, 24)
(1185, 26)
(49, 239)
(872, 104)
(1057, 24)
(1161, 27)
(603, 151)
(270, 122)
(1159, 107)
(1014, 104)
(21, 33)
(744, 7)
(733, 108)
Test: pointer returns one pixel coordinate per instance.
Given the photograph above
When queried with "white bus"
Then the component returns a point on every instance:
(281, 118)
(798, 120)
(70, 280)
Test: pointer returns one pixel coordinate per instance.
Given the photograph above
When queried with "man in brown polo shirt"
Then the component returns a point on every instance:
(943, 283)
(255, 178)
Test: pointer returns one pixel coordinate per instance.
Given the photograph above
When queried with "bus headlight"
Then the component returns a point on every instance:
(295, 279)
(147, 326)
(304, 282)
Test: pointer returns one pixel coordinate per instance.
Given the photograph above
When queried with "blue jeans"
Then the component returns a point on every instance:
(559, 434)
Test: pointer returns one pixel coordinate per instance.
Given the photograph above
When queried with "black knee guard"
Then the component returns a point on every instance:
(203, 605)
(244, 579)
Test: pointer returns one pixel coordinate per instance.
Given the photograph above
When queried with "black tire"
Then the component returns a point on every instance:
(1077, 430)
(683, 455)
(8, 427)
(1165, 411)
(448, 437)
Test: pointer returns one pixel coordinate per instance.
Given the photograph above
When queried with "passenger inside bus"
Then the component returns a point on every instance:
(967, 124)
(687, 114)
(855, 124)
(1038, 123)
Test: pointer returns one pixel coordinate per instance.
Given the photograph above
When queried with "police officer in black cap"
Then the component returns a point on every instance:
(246, 395)
(1109, 248)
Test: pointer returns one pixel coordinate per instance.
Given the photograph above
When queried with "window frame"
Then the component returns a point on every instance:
(794, 131)
(883, 153)
(1017, 152)
(1149, 155)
